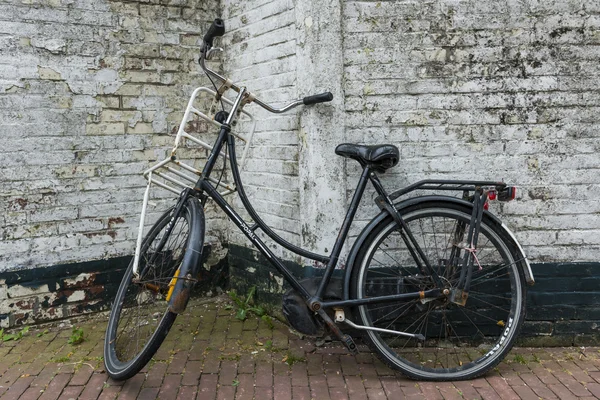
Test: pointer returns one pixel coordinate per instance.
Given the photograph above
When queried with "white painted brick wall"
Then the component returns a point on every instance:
(466, 89)
(91, 91)
(490, 90)
(260, 45)
(90, 95)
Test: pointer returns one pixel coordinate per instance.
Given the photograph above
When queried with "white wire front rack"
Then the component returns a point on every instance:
(175, 174)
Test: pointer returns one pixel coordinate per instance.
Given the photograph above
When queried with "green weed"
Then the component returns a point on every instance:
(77, 336)
(13, 336)
(245, 305)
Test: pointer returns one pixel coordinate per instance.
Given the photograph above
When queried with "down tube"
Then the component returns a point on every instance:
(256, 241)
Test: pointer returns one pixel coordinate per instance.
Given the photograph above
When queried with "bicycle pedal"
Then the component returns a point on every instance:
(349, 342)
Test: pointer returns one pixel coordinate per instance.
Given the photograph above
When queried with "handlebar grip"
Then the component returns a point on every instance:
(317, 98)
(216, 29)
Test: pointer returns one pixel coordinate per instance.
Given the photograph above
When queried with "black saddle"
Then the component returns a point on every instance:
(379, 157)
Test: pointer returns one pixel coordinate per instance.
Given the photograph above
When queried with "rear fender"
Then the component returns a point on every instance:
(352, 258)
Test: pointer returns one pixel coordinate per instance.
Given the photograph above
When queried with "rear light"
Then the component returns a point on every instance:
(507, 194)
(492, 195)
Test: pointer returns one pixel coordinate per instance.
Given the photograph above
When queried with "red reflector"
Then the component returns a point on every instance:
(513, 194)
(492, 195)
(486, 206)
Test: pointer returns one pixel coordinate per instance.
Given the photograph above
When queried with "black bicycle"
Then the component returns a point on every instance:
(435, 283)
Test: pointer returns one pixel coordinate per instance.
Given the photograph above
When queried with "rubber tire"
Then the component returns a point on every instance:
(115, 368)
(504, 237)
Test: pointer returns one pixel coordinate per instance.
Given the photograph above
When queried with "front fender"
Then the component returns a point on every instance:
(192, 258)
(352, 258)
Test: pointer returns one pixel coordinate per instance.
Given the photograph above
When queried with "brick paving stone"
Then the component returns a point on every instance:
(185, 392)
(196, 352)
(488, 393)
(177, 365)
(593, 388)
(245, 387)
(170, 386)
(32, 393)
(55, 387)
(430, 391)
(282, 387)
(72, 392)
(228, 393)
(575, 387)
(595, 375)
(246, 364)
(264, 375)
(370, 378)
(281, 368)
(335, 378)
(502, 388)
(93, 387)
(299, 375)
(211, 363)
(466, 389)
(82, 375)
(349, 365)
(376, 394)
(228, 372)
(318, 386)
(449, 391)
(356, 389)
(132, 387)
(193, 369)
(338, 393)
(562, 392)
(525, 393)
(156, 374)
(543, 392)
(110, 393)
(576, 372)
(148, 393)
(208, 386)
(314, 364)
(391, 387)
(301, 393)
(17, 388)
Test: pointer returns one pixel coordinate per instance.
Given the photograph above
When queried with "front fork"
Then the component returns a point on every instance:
(459, 293)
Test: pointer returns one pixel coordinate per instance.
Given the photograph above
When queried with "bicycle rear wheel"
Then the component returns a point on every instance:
(139, 319)
(461, 342)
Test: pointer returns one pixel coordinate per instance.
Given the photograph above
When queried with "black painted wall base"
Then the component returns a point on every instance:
(44, 294)
(563, 307)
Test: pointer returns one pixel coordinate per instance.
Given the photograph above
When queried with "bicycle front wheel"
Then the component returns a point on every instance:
(461, 341)
(139, 319)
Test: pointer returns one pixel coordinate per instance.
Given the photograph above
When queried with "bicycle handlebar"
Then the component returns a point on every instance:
(218, 29)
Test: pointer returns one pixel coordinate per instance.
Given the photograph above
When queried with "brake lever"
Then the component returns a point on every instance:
(212, 51)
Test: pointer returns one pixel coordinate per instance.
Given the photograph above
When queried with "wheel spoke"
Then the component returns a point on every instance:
(452, 332)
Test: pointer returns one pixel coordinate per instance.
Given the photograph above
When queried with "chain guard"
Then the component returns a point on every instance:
(297, 313)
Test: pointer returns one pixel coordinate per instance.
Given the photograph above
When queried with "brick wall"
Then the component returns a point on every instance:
(91, 93)
(491, 90)
(260, 52)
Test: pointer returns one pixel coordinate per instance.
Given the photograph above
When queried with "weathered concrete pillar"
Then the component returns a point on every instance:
(322, 175)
